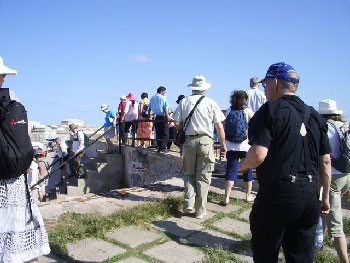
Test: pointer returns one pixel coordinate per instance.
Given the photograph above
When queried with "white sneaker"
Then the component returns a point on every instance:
(201, 215)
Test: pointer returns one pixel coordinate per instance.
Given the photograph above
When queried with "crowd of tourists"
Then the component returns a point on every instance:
(294, 148)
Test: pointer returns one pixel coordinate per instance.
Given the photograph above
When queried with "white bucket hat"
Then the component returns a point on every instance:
(199, 83)
(104, 107)
(328, 107)
(6, 70)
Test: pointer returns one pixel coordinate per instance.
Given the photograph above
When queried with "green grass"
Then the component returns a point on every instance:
(74, 227)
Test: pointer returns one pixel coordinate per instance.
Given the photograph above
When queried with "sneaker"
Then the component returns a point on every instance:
(200, 216)
(188, 210)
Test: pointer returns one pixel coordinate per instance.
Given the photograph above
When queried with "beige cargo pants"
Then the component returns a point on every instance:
(198, 167)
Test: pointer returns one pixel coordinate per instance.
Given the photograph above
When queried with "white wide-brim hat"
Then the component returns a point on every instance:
(328, 107)
(199, 83)
(104, 107)
(6, 70)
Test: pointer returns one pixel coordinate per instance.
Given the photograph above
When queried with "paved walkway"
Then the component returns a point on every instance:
(180, 239)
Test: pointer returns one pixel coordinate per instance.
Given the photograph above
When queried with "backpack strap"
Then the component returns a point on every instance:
(304, 144)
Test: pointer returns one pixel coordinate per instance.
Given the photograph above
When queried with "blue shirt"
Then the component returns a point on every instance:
(109, 114)
(158, 103)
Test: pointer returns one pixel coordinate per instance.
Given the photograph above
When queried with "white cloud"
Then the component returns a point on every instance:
(139, 58)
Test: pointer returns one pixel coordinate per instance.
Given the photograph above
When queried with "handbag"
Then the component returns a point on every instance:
(181, 135)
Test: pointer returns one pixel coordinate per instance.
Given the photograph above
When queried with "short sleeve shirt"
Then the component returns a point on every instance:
(274, 126)
(256, 98)
(158, 103)
(204, 117)
(109, 114)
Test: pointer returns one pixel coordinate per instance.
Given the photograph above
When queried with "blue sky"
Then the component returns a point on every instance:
(73, 56)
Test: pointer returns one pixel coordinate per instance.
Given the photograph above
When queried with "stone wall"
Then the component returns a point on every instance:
(143, 166)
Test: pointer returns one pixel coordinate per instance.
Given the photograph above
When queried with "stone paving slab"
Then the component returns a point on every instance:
(212, 239)
(233, 226)
(50, 259)
(346, 213)
(133, 236)
(245, 214)
(132, 260)
(216, 207)
(93, 250)
(177, 227)
(172, 252)
(192, 218)
(245, 255)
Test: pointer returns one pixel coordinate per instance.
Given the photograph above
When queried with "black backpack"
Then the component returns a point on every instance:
(236, 126)
(144, 111)
(16, 151)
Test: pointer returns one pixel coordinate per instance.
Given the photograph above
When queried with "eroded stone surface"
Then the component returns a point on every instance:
(50, 259)
(93, 250)
(172, 252)
(177, 227)
(232, 225)
(132, 260)
(133, 236)
(212, 239)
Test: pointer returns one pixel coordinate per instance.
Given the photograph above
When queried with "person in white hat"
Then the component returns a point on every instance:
(110, 120)
(340, 183)
(121, 115)
(198, 155)
(21, 241)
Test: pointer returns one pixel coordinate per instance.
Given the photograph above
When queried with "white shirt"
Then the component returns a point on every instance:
(256, 98)
(334, 142)
(77, 138)
(243, 146)
(204, 117)
(131, 111)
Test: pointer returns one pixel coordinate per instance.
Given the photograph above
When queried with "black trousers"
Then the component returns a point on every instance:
(172, 135)
(285, 215)
(162, 131)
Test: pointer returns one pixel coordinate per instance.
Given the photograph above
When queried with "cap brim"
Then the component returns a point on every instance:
(336, 112)
(7, 71)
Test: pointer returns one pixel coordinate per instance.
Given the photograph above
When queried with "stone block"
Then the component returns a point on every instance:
(216, 207)
(246, 256)
(177, 227)
(51, 258)
(143, 166)
(233, 226)
(133, 236)
(212, 239)
(172, 252)
(93, 250)
(245, 214)
(132, 260)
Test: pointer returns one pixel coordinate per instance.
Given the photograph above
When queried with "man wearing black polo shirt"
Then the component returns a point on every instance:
(290, 150)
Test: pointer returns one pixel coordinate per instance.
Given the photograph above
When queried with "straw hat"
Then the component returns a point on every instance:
(328, 107)
(199, 83)
(6, 70)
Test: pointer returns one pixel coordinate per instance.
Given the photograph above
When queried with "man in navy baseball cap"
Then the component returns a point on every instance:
(283, 74)
(291, 153)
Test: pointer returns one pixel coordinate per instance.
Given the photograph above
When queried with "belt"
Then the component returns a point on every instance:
(195, 135)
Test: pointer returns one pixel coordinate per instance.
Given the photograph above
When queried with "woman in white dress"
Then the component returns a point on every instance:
(23, 237)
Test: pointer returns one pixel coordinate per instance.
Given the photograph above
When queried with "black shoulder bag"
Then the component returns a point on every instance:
(181, 135)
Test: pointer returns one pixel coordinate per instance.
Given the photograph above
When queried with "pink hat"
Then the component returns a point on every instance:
(131, 96)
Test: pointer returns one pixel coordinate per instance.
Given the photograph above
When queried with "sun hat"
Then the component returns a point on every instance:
(199, 83)
(254, 80)
(328, 107)
(282, 70)
(72, 126)
(180, 98)
(6, 70)
(104, 107)
(123, 97)
(131, 96)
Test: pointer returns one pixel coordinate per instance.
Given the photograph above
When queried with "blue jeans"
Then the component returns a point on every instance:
(232, 167)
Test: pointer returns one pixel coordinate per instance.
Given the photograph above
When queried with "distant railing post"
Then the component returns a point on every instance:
(134, 132)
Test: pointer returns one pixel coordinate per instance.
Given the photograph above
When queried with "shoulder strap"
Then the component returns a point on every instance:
(190, 115)
(304, 143)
